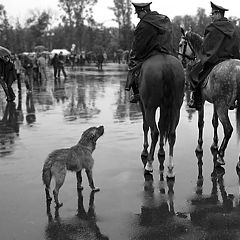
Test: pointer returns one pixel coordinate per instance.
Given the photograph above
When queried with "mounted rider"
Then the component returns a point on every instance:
(153, 35)
(221, 42)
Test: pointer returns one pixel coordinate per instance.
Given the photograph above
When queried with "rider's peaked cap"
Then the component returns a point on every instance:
(217, 8)
(141, 6)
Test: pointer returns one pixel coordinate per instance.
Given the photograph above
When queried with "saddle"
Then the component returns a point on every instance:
(134, 68)
(198, 74)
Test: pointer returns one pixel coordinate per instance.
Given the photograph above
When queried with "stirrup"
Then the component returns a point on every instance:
(193, 104)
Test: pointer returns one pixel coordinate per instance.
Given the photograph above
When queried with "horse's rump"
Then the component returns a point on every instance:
(161, 84)
(161, 81)
(223, 81)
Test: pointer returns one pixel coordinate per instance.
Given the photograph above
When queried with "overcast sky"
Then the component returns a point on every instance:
(20, 8)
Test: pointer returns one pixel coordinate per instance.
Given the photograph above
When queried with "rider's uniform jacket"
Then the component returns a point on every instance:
(221, 42)
(153, 32)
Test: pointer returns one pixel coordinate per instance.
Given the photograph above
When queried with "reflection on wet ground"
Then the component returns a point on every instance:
(202, 202)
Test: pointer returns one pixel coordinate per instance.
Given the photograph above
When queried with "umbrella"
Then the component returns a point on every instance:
(46, 52)
(4, 52)
(64, 51)
(39, 48)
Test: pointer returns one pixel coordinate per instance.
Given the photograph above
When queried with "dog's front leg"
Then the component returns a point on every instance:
(79, 180)
(90, 180)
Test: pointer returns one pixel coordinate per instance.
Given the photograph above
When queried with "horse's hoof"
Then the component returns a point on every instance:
(79, 188)
(170, 175)
(220, 161)
(144, 160)
(96, 189)
(161, 168)
(58, 205)
(148, 176)
(161, 154)
(49, 199)
(214, 148)
(144, 154)
(198, 150)
(149, 167)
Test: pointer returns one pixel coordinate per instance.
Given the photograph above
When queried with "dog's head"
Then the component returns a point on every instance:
(92, 134)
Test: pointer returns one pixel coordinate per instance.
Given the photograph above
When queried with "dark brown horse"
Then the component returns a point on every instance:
(161, 85)
(222, 89)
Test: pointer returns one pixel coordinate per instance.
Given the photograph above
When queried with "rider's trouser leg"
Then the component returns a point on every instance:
(129, 81)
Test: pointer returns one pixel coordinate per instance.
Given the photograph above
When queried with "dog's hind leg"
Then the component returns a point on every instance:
(90, 180)
(59, 180)
(79, 180)
(46, 177)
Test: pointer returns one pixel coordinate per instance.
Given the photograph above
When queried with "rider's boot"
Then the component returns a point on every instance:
(135, 97)
(196, 100)
(129, 81)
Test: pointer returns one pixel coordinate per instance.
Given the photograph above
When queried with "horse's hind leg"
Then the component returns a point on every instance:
(150, 119)
(144, 153)
(171, 141)
(200, 130)
(214, 146)
(228, 129)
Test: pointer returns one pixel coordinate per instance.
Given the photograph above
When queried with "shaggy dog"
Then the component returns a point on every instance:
(74, 159)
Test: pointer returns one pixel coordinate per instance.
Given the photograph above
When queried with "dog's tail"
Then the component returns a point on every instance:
(46, 173)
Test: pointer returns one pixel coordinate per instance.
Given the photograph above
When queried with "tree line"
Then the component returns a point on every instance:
(78, 26)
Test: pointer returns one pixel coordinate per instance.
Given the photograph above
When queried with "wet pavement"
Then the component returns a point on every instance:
(202, 202)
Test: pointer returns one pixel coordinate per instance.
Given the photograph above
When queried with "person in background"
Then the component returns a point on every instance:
(42, 64)
(19, 69)
(27, 64)
(61, 65)
(54, 63)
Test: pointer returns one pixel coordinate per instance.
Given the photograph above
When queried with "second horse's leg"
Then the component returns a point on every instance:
(228, 129)
(200, 129)
(214, 146)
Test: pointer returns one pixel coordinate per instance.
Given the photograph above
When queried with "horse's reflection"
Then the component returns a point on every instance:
(9, 128)
(211, 202)
(157, 205)
(81, 226)
(214, 212)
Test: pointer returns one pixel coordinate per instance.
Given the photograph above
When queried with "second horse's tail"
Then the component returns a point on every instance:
(238, 121)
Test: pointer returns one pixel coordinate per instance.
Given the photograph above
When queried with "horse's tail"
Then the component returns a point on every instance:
(170, 108)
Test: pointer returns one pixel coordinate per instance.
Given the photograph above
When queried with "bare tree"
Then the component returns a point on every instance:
(76, 13)
(122, 10)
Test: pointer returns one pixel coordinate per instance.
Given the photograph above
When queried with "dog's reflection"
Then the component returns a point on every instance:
(158, 205)
(81, 226)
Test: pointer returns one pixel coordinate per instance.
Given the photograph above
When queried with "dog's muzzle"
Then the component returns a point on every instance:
(101, 130)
